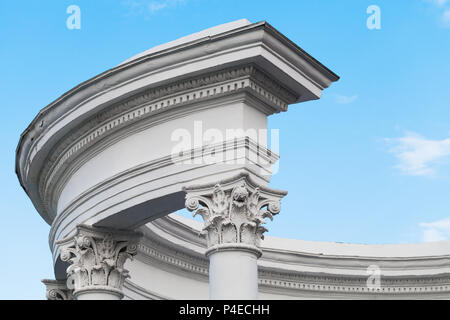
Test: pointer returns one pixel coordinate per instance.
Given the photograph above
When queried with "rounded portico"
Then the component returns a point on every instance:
(181, 125)
(120, 149)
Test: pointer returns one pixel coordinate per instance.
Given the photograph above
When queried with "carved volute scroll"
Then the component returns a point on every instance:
(57, 290)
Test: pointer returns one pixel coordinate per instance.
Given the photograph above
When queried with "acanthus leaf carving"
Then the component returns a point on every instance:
(97, 257)
(233, 214)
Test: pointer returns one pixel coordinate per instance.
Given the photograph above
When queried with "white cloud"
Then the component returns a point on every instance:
(436, 231)
(419, 156)
(345, 99)
(446, 17)
(144, 7)
(445, 14)
(439, 3)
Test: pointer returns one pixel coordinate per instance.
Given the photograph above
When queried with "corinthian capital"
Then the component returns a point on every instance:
(234, 211)
(57, 290)
(97, 257)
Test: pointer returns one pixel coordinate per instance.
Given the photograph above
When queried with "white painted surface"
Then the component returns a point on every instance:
(167, 283)
(98, 296)
(156, 142)
(192, 37)
(233, 275)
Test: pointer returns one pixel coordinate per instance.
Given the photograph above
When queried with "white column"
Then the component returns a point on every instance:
(233, 212)
(233, 273)
(97, 257)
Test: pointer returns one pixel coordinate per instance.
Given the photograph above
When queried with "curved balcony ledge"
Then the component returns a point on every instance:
(288, 269)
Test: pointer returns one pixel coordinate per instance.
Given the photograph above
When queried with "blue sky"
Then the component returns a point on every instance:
(368, 163)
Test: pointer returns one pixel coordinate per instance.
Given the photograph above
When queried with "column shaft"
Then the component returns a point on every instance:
(233, 275)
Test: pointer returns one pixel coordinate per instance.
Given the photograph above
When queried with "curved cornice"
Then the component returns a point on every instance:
(139, 86)
(174, 243)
